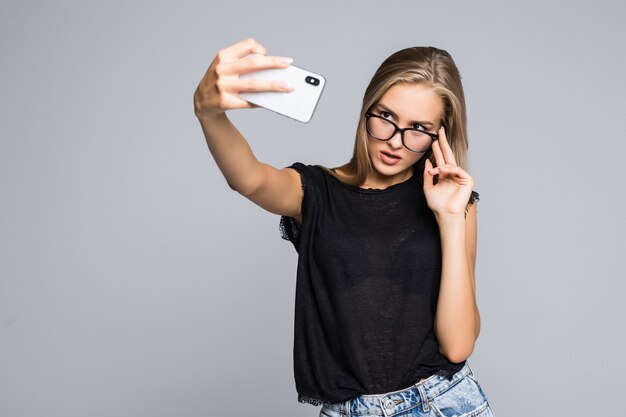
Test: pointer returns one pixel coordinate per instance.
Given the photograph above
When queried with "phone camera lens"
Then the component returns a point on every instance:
(312, 80)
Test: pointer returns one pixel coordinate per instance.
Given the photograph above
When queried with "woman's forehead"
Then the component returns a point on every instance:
(412, 102)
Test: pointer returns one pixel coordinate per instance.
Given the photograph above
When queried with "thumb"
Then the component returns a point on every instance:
(428, 178)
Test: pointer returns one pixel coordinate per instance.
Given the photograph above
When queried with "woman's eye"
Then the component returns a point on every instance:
(384, 114)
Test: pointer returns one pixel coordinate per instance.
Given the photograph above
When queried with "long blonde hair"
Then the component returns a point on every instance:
(432, 67)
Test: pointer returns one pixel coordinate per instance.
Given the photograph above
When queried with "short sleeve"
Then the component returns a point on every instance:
(288, 226)
(474, 197)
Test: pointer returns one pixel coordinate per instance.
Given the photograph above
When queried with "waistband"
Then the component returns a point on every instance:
(394, 402)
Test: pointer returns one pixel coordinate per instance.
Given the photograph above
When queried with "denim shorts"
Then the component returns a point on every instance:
(435, 396)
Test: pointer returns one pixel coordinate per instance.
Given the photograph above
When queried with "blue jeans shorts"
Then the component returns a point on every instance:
(435, 396)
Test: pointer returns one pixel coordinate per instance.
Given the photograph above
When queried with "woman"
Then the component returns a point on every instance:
(386, 312)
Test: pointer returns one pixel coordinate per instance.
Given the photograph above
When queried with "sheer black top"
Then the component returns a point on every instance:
(368, 275)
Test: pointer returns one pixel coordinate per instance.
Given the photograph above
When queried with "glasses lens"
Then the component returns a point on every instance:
(416, 141)
(379, 128)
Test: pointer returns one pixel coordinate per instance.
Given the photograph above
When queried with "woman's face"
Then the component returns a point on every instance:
(407, 105)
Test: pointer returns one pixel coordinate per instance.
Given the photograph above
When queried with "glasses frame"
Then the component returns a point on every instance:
(433, 136)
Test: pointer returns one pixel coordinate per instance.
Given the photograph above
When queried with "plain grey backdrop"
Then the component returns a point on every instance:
(135, 282)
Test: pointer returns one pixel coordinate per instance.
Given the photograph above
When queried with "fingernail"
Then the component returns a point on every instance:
(286, 60)
(286, 86)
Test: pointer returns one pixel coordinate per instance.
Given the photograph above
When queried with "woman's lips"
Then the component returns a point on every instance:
(389, 158)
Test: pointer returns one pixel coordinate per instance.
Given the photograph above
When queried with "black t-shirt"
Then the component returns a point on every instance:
(368, 275)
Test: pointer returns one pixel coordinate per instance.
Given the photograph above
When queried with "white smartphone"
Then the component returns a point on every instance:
(298, 104)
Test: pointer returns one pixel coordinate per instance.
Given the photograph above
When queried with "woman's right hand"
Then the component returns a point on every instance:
(218, 90)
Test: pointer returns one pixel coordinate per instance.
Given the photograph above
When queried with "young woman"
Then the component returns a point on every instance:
(386, 312)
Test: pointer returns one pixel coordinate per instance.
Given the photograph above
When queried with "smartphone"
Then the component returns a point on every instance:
(298, 104)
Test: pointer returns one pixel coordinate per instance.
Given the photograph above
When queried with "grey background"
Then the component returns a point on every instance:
(134, 282)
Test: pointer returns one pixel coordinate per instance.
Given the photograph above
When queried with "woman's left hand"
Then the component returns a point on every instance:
(451, 194)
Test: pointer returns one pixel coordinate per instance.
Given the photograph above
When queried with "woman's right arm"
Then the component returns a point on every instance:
(278, 191)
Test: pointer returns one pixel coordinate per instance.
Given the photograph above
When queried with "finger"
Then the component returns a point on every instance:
(242, 48)
(428, 177)
(428, 166)
(250, 105)
(236, 102)
(454, 170)
(439, 159)
(256, 85)
(445, 147)
(254, 63)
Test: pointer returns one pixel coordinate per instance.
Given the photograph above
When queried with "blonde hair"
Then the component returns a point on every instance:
(432, 67)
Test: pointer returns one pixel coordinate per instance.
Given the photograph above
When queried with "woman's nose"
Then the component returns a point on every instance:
(396, 140)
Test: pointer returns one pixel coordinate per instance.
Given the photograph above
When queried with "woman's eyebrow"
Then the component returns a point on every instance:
(387, 109)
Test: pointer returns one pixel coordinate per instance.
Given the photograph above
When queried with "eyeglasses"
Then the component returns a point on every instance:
(415, 140)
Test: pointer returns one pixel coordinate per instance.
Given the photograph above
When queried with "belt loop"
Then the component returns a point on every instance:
(347, 408)
(424, 399)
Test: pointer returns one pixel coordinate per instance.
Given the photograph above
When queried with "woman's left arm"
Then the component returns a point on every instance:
(457, 320)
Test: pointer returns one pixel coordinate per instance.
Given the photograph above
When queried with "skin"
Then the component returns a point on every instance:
(421, 104)
(457, 319)
(279, 191)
